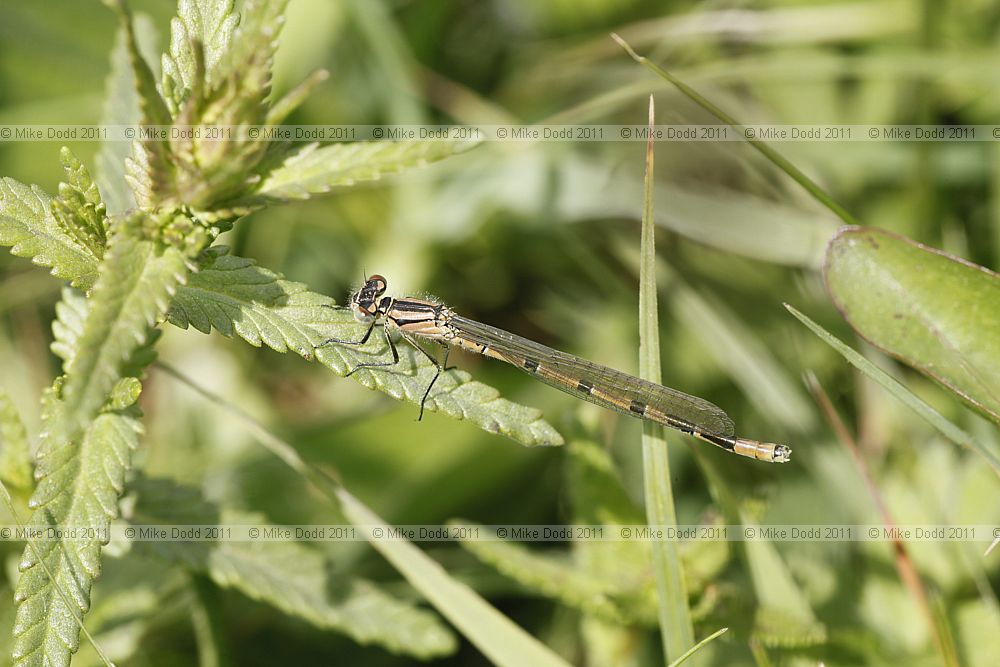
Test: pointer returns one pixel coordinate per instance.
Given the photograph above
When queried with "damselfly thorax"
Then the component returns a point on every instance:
(420, 319)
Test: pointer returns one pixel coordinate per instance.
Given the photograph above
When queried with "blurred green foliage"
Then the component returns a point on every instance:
(542, 239)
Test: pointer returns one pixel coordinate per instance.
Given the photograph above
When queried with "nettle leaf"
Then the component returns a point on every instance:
(27, 225)
(316, 170)
(294, 98)
(71, 312)
(134, 291)
(289, 576)
(121, 107)
(244, 73)
(216, 167)
(149, 171)
(598, 497)
(556, 577)
(15, 452)
(609, 579)
(79, 481)
(233, 295)
(200, 24)
(937, 313)
(78, 210)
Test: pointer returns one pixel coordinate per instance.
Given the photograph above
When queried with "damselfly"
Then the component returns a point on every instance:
(435, 322)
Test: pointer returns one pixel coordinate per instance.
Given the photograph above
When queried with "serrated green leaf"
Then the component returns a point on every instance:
(937, 313)
(71, 312)
(203, 24)
(125, 393)
(137, 281)
(290, 576)
(598, 497)
(772, 581)
(294, 98)
(79, 481)
(251, 51)
(27, 225)
(777, 628)
(908, 398)
(489, 630)
(211, 171)
(553, 576)
(15, 453)
(78, 210)
(234, 296)
(503, 642)
(316, 170)
(131, 596)
(121, 107)
(150, 170)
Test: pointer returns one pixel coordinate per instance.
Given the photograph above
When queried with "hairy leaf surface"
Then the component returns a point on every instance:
(315, 170)
(232, 295)
(79, 480)
(133, 292)
(15, 453)
(28, 227)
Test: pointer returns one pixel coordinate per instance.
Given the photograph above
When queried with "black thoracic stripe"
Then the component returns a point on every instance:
(531, 365)
(408, 312)
(585, 387)
(410, 307)
(638, 407)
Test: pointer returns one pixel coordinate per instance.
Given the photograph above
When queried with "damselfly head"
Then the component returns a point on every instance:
(365, 302)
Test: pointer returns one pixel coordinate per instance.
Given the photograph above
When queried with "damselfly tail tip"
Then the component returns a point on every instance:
(782, 454)
(763, 451)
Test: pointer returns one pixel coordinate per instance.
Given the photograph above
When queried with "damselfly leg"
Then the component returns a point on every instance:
(362, 341)
(440, 367)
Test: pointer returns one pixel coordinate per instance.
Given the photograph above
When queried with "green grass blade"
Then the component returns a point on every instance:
(675, 617)
(936, 313)
(774, 156)
(501, 640)
(697, 647)
(908, 398)
(556, 576)
(288, 575)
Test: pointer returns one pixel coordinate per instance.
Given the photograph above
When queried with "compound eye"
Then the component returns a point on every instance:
(380, 283)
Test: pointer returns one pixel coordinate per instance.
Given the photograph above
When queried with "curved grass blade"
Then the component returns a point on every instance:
(774, 156)
(934, 312)
(501, 640)
(908, 398)
(289, 576)
(697, 647)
